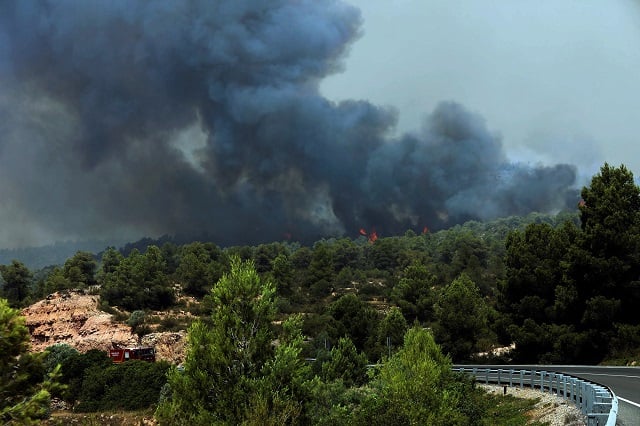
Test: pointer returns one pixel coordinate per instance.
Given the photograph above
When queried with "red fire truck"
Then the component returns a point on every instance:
(145, 353)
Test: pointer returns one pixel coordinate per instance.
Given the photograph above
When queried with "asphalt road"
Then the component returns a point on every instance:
(623, 381)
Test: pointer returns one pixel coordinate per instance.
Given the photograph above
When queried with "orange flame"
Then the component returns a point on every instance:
(373, 236)
(363, 232)
(425, 230)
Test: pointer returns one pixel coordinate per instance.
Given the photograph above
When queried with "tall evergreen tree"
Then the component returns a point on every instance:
(534, 268)
(610, 216)
(416, 386)
(199, 268)
(569, 289)
(232, 370)
(139, 281)
(80, 269)
(17, 279)
(414, 293)
(461, 315)
(354, 318)
(346, 364)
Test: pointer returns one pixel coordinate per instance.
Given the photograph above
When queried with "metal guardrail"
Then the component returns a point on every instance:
(598, 403)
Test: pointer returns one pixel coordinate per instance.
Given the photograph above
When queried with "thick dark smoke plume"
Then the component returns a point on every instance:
(130, 118)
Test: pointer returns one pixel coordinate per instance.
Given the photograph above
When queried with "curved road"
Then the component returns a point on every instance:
(623, 381)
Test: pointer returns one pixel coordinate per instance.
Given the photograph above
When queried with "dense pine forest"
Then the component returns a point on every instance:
(345, 331)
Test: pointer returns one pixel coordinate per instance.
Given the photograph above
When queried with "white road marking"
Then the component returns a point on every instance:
(602, 374)
(629, 402)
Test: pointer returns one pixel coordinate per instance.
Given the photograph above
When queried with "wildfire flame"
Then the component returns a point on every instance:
(425, 230)
(372, 236)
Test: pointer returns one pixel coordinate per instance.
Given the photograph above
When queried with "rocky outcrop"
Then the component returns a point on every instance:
(170, 346)
(75, 319)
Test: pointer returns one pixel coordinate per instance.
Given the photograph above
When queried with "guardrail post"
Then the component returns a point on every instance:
(521, 379)
(533, 376)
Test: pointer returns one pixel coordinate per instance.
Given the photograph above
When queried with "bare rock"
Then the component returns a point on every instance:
(74, 318)
(170, 346)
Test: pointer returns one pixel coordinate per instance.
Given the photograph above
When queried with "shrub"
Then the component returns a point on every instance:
(131, 385)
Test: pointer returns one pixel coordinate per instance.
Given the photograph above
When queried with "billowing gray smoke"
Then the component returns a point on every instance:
(131, 118)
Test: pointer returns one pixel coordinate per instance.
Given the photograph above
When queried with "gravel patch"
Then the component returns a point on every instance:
(551, 409)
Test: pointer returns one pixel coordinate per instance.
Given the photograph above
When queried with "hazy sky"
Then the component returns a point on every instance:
(232, 119)
(559, 80)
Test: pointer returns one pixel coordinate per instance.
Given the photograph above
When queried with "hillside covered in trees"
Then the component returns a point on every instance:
(563, 288)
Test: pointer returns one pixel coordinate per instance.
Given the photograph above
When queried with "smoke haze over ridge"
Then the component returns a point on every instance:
(124, 119)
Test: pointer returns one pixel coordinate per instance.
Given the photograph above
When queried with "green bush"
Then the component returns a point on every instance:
(131, 385)
(416, 386)
(137, 323)
(136, 319)
(72, 367)
(346, 364)
(170, 324)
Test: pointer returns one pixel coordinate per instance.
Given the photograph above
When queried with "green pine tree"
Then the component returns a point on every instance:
(233, 372)
(24, 397)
